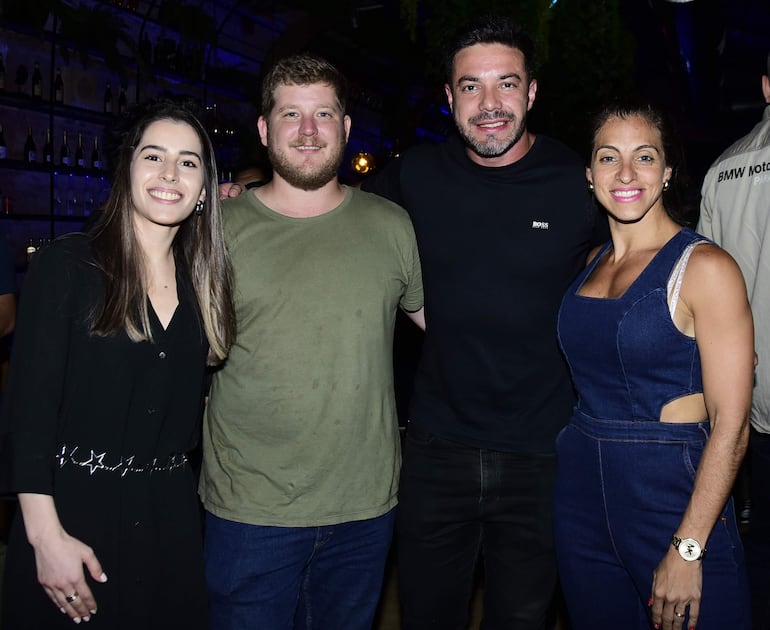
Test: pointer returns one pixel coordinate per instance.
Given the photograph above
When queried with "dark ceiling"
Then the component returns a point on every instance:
(714, 48)
(701, 60)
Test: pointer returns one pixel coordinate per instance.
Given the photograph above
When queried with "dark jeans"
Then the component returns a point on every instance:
(283, 578)
(758, 538)
(458, 503)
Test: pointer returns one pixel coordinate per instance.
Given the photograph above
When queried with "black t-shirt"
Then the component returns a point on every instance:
(499, 246)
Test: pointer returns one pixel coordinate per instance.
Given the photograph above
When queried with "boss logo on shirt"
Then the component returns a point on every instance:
(539, 225)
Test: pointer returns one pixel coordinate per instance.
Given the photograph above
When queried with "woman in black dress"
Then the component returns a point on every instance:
(106, 389)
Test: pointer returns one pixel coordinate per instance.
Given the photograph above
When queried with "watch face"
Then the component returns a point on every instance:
(689, 549)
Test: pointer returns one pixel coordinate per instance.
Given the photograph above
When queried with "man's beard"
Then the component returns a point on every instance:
(300, 176)
(493, 145)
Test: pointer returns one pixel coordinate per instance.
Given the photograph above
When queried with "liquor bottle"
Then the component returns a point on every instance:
(58, 87)
(58, 203)
(64, 152)
(48, 148)
(73, 206)
(2, 73)
(96, 159)
(89, 201)
(37, 82)
(80, 155)
(108, 99)
(3, 145)
(122, 101)
(30, 150)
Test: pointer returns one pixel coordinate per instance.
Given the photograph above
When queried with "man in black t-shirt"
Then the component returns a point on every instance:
(503, 223)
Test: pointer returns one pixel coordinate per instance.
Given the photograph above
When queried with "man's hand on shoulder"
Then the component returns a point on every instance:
(230, 189)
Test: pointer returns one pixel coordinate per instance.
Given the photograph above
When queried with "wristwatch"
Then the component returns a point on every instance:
(688, 548)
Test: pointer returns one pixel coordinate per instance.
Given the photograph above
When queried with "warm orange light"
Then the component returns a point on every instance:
(363, 162)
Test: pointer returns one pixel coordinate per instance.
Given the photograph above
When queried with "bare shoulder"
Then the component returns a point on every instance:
(709, 260)
(713, 274)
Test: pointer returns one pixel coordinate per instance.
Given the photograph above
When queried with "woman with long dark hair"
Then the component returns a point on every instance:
(106, 389)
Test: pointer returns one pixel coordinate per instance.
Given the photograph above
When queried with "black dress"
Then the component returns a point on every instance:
(103, 424)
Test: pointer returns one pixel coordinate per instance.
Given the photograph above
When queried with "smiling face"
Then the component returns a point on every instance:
(305, 134)
(166, 174)
(628, 168)
(490, 96)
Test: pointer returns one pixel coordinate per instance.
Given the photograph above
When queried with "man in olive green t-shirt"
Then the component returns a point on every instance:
(301, 447)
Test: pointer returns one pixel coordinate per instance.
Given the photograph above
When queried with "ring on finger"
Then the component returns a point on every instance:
(679, 614)
(71, 598)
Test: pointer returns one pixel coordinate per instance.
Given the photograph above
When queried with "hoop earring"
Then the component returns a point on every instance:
(591, 186)
(199, 208)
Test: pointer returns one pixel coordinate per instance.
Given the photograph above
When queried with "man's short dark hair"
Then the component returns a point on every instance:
(302, 69)
(491, 29)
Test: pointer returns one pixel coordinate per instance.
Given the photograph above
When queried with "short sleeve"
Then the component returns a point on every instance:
(412, 299)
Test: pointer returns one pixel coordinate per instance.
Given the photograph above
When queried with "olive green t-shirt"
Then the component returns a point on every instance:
(301, 427)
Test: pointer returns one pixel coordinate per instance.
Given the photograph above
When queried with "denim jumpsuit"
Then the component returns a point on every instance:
(624, 478)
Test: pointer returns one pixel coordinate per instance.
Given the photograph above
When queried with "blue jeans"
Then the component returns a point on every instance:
(276, 578)
(458, 503)
(621, 491)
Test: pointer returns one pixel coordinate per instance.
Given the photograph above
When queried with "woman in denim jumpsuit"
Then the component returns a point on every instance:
(659, 337)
